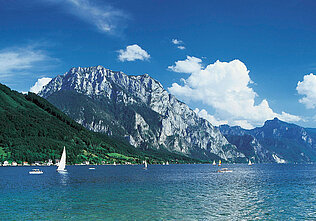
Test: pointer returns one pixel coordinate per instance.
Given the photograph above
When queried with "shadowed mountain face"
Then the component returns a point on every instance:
(138, 109)
(279, 141)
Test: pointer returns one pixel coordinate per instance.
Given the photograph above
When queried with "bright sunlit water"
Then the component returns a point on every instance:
(174, 192)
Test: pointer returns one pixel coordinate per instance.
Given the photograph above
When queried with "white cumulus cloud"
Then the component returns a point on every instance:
(307, 88)
(132, 53)
(289, 117)
(176, 41)
(179, 43)
(189, 65)
(224, 87)
(205, 115)
(37, 87)
(243, 124)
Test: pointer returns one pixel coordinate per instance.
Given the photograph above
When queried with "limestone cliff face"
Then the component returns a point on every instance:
(139, 109)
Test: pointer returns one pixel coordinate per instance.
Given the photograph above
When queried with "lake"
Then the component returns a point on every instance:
(174, 192)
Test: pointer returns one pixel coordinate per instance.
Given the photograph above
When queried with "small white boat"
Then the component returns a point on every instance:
(36, 171)
(62, 163)
(214, 163)
(167, 163)
(91, 168)
(224, 170)
(249, 163)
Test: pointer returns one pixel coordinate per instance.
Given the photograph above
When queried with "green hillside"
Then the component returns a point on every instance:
(32, 129)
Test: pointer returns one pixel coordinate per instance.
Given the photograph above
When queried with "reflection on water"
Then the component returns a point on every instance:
(63, 177)
(174, 192)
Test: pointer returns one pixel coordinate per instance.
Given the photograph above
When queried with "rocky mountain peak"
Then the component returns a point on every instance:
(138, 108)
(280, 128)
(275, 122)
(234, 130)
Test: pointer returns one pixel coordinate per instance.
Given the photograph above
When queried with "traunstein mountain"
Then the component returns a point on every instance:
(139, 109)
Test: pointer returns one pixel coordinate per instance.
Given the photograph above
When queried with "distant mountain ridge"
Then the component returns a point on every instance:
(139, 109)
(279, 141)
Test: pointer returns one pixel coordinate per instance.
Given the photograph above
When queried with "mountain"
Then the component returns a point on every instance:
(138, 109)
(32, 129)
(278, 140)
(250, 147)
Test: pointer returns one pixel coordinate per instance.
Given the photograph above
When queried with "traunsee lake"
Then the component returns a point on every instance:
(174, 192)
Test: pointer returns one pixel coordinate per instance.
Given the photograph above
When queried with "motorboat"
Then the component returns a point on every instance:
(224, 170)
(36, 171)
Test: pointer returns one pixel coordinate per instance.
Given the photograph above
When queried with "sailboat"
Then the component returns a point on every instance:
(219, 163)
(62, 163)
(145, 165)
(249, 163)
(167, 163)
(214, 163)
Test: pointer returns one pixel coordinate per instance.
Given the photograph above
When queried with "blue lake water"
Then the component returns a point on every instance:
(174, 192)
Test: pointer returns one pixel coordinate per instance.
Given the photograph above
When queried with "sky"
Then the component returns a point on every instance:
(238, 62)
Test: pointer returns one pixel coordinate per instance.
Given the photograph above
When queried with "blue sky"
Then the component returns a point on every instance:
(274, 40)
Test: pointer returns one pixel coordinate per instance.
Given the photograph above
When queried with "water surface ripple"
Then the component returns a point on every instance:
(174, 192)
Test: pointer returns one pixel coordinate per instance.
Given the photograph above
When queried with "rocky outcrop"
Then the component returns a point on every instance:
(139, 109)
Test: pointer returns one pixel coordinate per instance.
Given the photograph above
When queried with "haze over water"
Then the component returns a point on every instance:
(174, 192)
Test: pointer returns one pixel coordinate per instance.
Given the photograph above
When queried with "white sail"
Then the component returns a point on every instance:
(145, 164)
(249, 163)
(214, 163)
(62, 163)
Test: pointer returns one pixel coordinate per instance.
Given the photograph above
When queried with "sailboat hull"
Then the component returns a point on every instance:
(35, 173)
(61, 171)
